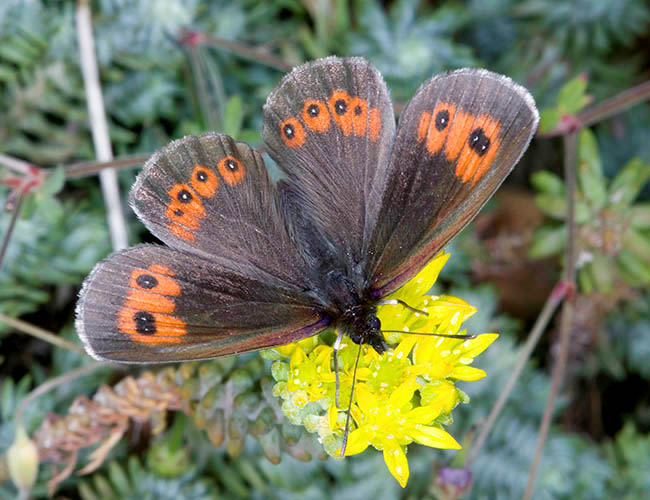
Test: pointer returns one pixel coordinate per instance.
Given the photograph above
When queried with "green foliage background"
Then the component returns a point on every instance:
(157, 88)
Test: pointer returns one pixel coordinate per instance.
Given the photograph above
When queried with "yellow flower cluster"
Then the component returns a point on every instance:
(401, 396)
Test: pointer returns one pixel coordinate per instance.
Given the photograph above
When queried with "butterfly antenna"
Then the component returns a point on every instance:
(347, 417)
(432, 334)
(336, 347)
(396, 302)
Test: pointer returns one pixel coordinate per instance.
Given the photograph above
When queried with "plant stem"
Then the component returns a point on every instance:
(35, 331)
(570, 165)
(88, 168)
(553, 300)
(52, 383)
(15, 164)
(247, 52)
(99, 125)
(12, 224)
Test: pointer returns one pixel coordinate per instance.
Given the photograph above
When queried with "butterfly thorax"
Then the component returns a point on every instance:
(352, 310)
(362, 325)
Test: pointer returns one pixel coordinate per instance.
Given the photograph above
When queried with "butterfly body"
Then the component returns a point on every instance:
(362, 206)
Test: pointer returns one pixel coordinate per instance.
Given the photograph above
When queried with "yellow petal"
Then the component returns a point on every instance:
(357, 442)
(467, 373)
(365, 398)
(396, 461)
(332, 417)
(423, 281)
(404, 393)
(424, 414)
(404, 347)
(433, 437)
(473, 347)
(297, 357)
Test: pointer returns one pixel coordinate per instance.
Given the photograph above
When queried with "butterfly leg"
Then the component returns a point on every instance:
(337, 346)
(396, 302)
(347, 416)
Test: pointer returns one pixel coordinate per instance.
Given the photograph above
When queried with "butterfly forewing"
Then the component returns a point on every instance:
(212, 197)
(457, 140)
(329, 126)
(152, 304)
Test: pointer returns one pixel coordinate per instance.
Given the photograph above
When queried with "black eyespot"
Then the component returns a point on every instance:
(442, 120)
(313, 110)
(479, 142)
(289, 132)
(201, 176)
(146, 281)
(184, 196)
(145, 323)
(178, 212)
(232, 164)
(340, 107)
(358, 110)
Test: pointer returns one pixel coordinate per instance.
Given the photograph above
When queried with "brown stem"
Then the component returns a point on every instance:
(247, 52)
(15, 164)
(17, 203)
(570, 165)
(88, 168)
(553, 300)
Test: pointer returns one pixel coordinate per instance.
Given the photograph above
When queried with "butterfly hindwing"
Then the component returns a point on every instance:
(150, 304)
(329, 125)
(457, 140)
(212, 197)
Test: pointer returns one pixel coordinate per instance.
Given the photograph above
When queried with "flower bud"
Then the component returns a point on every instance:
(22, 459)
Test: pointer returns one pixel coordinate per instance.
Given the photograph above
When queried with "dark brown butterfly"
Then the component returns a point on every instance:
(361, 209)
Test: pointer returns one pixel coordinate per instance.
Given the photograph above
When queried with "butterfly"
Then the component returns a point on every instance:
(362, 205)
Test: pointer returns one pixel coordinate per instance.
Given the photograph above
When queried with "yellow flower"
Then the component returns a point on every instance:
(402, 396)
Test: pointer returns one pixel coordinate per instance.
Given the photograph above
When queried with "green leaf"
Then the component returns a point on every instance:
(637, 243)
(603, 272)
(548, 183)
(640, 215)
(637, 272)
(586, 280)
(590, 173)
(572, 97)
(553, 206)
(53, 182)
(626, 185)
(548, 119)
(233, 116)
(547, 241)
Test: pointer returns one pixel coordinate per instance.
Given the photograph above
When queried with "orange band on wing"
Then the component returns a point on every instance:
(374, 124)
(232, 170)
(204, 181)
(481, 146)
(146, 313)
(150, 328)
(423, 126)
(340, 104)
(316, 116)
(145, 301)
(434, 128)
(292, 133)
(359, 110)
(182, 233)
(184, 197)
(153, 281)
